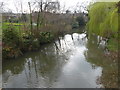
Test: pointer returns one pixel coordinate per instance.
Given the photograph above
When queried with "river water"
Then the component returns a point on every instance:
(72, 61)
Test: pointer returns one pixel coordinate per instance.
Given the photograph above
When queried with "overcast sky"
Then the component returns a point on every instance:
(69, 4)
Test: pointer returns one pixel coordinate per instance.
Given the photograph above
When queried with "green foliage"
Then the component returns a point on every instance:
(29, 42)
(45, 37)
(10, 43)
(19, 37)
(16, 26)
(104, 21)
(112, 44)
(10, 36)
(10, 52)
(15, 45)
(103, 18)
(13, 20)
(27, 39)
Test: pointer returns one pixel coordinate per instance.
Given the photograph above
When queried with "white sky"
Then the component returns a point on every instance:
(69, 4)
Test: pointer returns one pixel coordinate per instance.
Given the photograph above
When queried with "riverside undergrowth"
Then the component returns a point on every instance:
(16, 42)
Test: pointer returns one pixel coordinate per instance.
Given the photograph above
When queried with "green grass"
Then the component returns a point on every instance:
(112, 44)
(16, 24)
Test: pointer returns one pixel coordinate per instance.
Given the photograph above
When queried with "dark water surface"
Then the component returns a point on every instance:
(72, 61)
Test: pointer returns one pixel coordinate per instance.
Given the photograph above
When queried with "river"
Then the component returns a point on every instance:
(72, 61)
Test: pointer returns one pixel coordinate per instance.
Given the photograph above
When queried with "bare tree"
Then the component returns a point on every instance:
(86, 5)
(45, 6)
(52, 6)
(1, 7)
(30, 16)
(40, 9)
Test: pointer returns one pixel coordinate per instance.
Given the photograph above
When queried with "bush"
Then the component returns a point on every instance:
(10, 36)
(45, 37)
(10, 43)
(10, 52)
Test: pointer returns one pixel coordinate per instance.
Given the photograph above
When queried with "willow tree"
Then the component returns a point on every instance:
(104, 22)
(103, 19)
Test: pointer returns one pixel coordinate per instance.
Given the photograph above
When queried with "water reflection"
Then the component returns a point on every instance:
(77, 72)
(96, 55)
(66, 63)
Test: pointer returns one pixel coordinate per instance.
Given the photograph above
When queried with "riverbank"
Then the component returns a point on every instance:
(16, 40)
(19, 38)
(74, 58)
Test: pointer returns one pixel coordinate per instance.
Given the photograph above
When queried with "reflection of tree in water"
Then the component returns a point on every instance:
(14, 66)
(49, 65)
(11, 67)
(96, 56)
(36, 67)
(93, 66)
(45, 65)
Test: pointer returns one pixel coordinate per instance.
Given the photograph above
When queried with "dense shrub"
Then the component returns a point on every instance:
(30, 42)
(10, 36)
(10, 52)
(16, 43)
(45, 37)
(10, 43)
